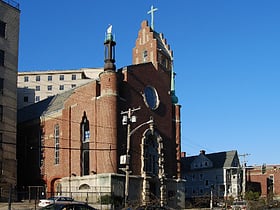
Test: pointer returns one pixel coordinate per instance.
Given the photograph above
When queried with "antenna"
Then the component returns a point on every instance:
(244, 162)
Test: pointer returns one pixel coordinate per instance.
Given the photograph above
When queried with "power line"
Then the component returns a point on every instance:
(66, 148)
(73, 148)
(244, 158)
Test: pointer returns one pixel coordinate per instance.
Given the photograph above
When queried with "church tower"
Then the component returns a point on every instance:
(107, 111)
(152, 47)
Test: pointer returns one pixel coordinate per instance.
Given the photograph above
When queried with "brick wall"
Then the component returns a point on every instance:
(259, 177)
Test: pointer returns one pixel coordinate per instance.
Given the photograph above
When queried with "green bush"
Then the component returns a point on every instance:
(108, 199)
(252, 196)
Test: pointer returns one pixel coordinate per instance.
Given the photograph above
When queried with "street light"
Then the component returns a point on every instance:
(128, 119)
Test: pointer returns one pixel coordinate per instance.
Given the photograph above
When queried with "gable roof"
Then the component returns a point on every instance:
(219, 160)
(58, 101)
(46, 106)
(33, 111)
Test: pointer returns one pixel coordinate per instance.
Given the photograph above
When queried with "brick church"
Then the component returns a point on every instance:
(117, 136)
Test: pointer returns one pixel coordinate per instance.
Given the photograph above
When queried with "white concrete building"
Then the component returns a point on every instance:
(35, 86)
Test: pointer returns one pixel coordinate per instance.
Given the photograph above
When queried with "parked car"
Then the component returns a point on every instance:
(68, 206)
(55, 199)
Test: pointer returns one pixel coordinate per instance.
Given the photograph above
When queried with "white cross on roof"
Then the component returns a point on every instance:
(152, 15)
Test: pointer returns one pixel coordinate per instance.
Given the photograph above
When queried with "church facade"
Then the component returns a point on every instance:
(116, 137)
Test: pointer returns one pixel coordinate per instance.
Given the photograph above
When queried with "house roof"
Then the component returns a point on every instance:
(219, 159)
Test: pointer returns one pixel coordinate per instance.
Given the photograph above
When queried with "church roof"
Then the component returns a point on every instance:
(58, 102)
(46, 106)
(33, 111)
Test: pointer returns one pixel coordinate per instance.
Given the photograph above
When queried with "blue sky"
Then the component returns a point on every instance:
(226, 57)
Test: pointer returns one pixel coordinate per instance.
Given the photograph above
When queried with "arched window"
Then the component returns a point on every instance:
(56, 144)
(85, 137)
(85, 163)
(151, 155)
(145, 56)
(84, 187)
(85, 134)
(58, 189)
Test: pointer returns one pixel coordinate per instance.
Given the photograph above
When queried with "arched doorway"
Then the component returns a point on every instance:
(55, 188)
(152, 168)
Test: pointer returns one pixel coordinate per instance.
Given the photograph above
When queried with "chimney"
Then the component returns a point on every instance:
(202, 152)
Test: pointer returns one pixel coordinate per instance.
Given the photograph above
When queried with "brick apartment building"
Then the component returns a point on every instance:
(81, 141)
(264, 179)
(9, 38)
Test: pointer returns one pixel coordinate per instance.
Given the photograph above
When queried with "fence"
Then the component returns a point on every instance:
(99, 197)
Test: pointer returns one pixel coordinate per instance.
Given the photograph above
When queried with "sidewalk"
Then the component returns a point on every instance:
(25, 205)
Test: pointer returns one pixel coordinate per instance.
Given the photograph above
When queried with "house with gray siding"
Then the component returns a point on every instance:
(219, 174)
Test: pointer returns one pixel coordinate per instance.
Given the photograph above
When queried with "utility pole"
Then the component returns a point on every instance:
(244, 162)
(211, 198)
(128, 119)
(243, 166)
